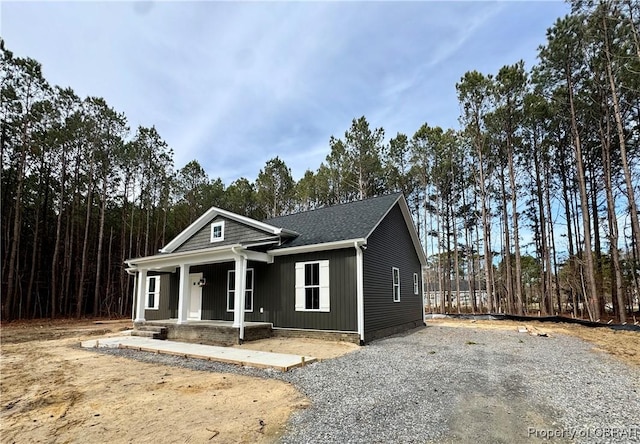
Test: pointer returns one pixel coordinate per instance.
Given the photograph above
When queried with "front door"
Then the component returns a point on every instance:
(195, 306)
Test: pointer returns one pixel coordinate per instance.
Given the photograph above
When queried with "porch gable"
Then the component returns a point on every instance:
(232, 233)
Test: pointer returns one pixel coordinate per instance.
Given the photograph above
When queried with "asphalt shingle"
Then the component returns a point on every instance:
(335, 223)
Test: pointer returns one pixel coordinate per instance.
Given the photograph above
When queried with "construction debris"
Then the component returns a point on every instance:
(533, 331)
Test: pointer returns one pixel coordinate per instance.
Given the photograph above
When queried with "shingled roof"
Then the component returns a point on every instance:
(354, 220)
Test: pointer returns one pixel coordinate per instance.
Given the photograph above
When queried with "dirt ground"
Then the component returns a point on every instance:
(53, 391)
(300, 346)
(623, 345)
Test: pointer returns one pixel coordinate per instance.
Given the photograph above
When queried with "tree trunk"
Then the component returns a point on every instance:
(597, 251)
(617, 288)
(590, 284)
(56, 244)
(455, 260)
(486, 227)
(506, 251)
(551, 244)
(85, 244)
(516, 233)
(103, 204)
(16, 233)
(635, 224)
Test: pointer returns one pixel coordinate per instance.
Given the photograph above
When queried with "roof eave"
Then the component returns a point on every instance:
(325, 246)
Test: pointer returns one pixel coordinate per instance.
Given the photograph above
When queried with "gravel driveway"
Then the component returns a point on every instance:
(443, 384)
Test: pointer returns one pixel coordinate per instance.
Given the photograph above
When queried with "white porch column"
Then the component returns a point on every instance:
(238, 306)
(141, 287)
(184, 294)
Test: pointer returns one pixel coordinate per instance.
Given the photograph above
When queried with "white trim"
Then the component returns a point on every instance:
(317, 247)
(231, 310)
(211, 214)
(184, 295)
(360, 290)
(139, 285)
(395, 270)
(156, 293)
(257, 256)
(424, 313)
(223, 253)
(168, 259)
(192, 277)
(324, 295)
(416, 285)
(215, 225)
(238, 312)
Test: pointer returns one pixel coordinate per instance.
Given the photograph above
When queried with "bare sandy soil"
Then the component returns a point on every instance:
(624, 345)
(53, 391)
(300, 346)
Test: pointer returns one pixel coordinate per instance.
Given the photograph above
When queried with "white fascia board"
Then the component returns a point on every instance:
(408, 220)
(184, 257)
(251, 222)
(189, 231)
(211, 214)
(348, 243)
(258, 256)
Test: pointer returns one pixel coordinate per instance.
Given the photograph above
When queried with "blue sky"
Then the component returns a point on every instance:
(233, 84)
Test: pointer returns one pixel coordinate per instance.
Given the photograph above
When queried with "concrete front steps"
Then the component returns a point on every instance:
(151, 331)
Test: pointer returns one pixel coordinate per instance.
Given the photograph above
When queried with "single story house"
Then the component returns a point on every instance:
(354, 270)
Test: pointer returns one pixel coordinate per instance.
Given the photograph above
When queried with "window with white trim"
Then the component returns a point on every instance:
(152, 300)
(217, 231)
(396, 284)
(312, 286)
(248, 292)
(416, 286)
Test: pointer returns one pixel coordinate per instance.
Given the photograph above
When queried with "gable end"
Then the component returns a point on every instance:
(234, 233)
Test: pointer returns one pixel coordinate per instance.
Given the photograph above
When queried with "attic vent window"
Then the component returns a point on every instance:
(217, 231)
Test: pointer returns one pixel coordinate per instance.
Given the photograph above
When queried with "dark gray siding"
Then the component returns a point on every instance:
(234, 233)
(168, 304)
(214, 294)
(390, 246)
(275, 293)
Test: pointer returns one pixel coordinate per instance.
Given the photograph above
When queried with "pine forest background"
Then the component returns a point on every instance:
(529, 207)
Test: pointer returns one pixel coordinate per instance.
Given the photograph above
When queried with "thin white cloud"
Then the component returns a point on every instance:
(234, 84)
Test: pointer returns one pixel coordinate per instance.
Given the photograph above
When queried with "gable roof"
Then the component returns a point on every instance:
(350, 221)
(353, 220)
(211, 214)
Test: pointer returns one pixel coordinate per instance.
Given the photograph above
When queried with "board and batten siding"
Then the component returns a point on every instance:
(168, 303)
(234, 233)
(389, 246)
(275, 292)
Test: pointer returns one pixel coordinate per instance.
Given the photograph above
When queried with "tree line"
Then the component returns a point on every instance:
(528, 207)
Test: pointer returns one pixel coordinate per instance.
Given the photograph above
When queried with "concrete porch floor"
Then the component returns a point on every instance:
(244, 357)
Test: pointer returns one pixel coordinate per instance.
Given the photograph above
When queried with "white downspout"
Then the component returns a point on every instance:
(359, 290)
(240, 289)
(424, 315)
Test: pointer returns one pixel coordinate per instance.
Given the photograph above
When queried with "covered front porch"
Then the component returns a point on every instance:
(211, 332)
(173, 290)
